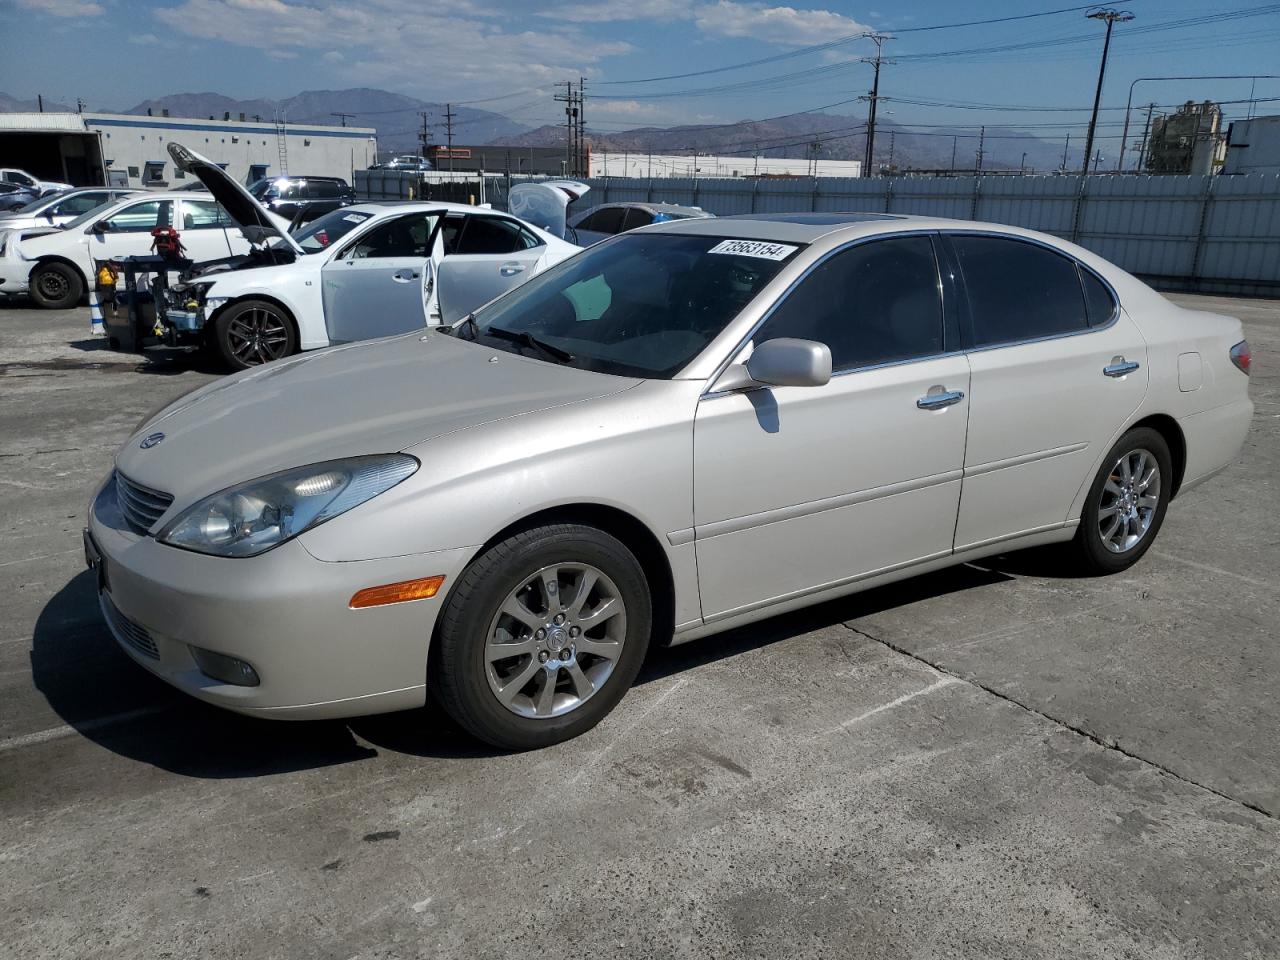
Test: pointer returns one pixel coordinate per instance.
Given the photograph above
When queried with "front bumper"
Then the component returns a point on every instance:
(284, 612)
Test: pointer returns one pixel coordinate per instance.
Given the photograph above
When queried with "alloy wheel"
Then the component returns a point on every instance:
(1129, 500)
(555, 640)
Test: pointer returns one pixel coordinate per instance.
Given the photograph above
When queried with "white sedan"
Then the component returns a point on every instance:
(364, 271)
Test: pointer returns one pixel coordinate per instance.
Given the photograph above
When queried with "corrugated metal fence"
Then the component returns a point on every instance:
(1207, 233)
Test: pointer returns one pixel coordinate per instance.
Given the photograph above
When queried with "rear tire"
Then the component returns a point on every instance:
(253, 332)
(563, 676)
(56, 286)
(1126, 503)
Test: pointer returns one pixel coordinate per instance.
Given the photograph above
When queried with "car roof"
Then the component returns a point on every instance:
(656, 207)
(804, 227)
(413, 206)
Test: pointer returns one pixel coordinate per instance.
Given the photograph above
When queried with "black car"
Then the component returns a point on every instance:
(303, 198)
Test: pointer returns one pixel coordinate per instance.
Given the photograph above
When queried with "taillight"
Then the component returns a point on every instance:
(1241, 356)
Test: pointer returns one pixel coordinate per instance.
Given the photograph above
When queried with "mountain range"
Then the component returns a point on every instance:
(398, 120)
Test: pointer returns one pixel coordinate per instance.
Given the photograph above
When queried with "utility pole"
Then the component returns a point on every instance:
(448, 131)
(1065, 148)
(878, 39)
(892, 138)
(424, 135)
(570, 101)
(982, 140)
(1022, 167)
(1146, 132)
(40, 101)
(343, 117)
(954, 143)
(1111, 18)
(583, 164)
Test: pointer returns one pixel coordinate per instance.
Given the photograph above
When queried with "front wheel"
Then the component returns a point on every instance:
(253, 332)
(1126, 503)
(56, 286)
(542, 636)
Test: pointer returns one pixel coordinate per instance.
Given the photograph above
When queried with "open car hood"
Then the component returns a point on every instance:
(545, 204)
(255, 221)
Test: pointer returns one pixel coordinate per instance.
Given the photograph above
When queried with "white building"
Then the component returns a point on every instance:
(610, 164)
(1253, 146)
(89, 149)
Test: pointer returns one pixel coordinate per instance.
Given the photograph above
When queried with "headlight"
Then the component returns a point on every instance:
(249, 519)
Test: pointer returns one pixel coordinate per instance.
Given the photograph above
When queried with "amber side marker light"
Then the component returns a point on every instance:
(401, 592)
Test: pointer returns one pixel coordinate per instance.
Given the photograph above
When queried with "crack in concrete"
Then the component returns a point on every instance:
(1106, 744)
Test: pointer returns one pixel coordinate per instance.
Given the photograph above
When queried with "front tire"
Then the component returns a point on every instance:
(253, 332)
(56, 286)
(1126, 503)
(542, 636)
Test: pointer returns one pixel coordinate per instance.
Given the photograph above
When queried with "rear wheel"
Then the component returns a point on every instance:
(1126, 503)
(56, 286)
(542, 636)
(253, 332)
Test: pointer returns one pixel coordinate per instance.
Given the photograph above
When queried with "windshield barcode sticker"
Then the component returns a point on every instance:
(754, 248)
(355, 218)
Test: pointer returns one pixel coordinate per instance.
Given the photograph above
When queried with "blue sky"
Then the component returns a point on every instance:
(505, 55)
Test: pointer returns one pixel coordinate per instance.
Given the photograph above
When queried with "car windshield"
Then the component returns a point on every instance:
(323, 231)
(640, 305)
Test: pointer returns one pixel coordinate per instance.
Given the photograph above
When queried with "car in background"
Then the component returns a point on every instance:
(14, 197)
(301, 199)
(60, 208)
(604, 221)
(364, 271)
(24, 179)
(56, 265)
(681, 431)
(408, 162)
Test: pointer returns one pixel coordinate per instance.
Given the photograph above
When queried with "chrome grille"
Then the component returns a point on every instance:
(126, 631)
(140, 506)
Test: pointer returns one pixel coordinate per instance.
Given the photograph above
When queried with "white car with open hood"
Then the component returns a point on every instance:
(365, 271)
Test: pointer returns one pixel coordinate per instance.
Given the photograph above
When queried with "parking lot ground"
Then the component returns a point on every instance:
(1000, 760)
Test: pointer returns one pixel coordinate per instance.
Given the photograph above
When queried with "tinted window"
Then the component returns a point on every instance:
(645, 304)
(140, 217)
(78, 204)
(873, 303)
(401, 237)
(324, 189)
(491, 235)
(636, 218)
(1097, 298)
(1018, 291)
(605, 220)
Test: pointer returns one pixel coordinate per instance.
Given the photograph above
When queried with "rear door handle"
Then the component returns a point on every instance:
(1119, 366)
(943, 398)
(511, 269)
(405, 275)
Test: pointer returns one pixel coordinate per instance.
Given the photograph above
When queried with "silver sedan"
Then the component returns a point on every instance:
(681, 430)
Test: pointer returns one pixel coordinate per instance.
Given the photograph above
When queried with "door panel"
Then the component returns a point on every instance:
(130, 230)
(1039, 417)
(203, 227)
(797, 488)
(467, 282)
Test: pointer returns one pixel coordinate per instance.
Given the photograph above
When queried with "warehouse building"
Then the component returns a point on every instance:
(1253, 146)
(91, 149)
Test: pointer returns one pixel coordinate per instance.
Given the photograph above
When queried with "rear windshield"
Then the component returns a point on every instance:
(639, 305)
(323, 231)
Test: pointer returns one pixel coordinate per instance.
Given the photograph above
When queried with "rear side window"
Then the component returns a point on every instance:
(875, 302)
(1018, 291)
(605, 220)
(323, 189)
(1099, 303)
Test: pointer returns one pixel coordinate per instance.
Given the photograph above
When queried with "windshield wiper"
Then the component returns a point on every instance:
(529, 340)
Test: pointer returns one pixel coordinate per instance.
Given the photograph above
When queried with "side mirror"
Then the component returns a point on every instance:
(784, 362)
(101, 227)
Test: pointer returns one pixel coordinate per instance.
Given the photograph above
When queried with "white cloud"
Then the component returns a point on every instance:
(782, 25)
(447, 51)
(64, 8)
(609, 11)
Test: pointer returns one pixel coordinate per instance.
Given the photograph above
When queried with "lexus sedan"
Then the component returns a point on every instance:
(680, 430)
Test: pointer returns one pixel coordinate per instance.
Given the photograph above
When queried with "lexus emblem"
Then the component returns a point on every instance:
(151, 440)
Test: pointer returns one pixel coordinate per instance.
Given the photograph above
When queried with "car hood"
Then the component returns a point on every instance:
(24, 221)
(379, 396)
(256, 222)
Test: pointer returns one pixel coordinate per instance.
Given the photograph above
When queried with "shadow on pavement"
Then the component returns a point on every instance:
(85, 677)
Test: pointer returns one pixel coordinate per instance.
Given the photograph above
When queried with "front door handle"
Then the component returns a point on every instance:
(405, 276)
(943, 398)
(1119, 366)
(511, 269)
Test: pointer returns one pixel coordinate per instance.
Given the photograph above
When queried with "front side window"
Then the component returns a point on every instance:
(605, 220)
(401, 237)
(643, 305)
(1018, 290)
(13, 176)
(876, 302)
(140, 217)
(491, 235)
